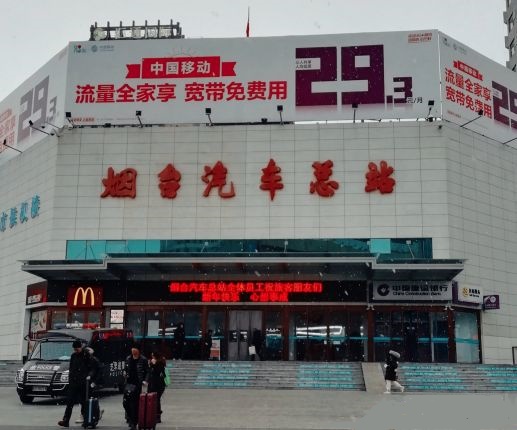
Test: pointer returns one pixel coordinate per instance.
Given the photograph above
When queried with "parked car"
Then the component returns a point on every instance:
(45, 373)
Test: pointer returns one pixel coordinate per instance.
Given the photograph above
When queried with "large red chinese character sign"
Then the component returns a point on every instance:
(322, 186)
(218, 173)
(271, 180)
(169, 182)
(240, 291)
(379, 179)
(121, 184)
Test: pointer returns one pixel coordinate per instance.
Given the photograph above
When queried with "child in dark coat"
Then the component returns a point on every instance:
(391, 371)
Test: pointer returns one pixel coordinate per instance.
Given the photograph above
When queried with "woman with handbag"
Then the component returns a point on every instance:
(156, 378)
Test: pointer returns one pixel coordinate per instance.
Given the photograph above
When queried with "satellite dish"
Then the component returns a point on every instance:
(99, 34)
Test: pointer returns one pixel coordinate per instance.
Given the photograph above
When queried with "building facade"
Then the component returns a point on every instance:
(187, 197)
(304, 272)
(510, 15)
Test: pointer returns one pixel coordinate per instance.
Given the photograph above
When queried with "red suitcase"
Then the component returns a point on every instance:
(147, 411)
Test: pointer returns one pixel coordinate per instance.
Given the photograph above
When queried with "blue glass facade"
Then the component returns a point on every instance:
(391, 249)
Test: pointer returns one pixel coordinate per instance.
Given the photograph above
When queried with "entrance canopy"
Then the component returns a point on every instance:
(246, 267)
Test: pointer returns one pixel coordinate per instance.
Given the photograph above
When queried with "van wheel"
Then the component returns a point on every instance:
(26, 400)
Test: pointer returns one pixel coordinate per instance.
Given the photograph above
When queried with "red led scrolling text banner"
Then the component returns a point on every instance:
(258, 291)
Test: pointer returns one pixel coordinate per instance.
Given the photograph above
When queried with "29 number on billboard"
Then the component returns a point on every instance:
(33, 106)
(370, 70)
(506, 101)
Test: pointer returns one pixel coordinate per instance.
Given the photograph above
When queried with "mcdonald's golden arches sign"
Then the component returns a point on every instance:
(84, 297)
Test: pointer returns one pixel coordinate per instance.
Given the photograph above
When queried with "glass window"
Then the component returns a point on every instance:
(135, 322)
(357, 338)
(215, 322)
(95, 249)
(382, 335)
(171, 320)
(440, 337)
(467, 340)
(152, 324)
(76, 249)
(274, 342)
(77, 317)
(94, 317)
(116, 247)
(58, 319)
(193, 325)
(298, 335)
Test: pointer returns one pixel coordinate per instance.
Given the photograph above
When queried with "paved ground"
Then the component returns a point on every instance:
(268, 409)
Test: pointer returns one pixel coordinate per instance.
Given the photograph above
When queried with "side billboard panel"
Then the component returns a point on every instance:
(477, 89)
(295, 78)
(41, 100)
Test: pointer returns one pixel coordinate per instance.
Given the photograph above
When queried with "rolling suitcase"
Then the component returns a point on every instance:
(147, 411)
(93, 411)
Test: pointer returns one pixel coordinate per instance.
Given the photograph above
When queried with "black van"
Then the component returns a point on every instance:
(45, 373)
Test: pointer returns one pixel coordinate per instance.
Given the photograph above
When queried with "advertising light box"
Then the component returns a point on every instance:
(40, 99)
(477, 91)
(294, 78)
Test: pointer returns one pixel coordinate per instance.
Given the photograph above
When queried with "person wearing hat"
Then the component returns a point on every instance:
(136, 373)
(81, 367)
(391, 371)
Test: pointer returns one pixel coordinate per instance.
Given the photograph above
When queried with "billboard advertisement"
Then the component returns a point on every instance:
(477, 89)
(40, 99)
(294, 78)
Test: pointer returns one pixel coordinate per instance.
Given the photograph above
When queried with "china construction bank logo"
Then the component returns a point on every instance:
(85, 297)
(383, 290)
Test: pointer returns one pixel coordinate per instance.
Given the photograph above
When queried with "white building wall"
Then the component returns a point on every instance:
(482, 212)
(28, 174)
(416, 154)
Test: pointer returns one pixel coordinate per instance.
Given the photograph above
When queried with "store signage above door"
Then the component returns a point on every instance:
(36, 293)
(246, 291)
(84, 297)
(469, 294)
(412, 291)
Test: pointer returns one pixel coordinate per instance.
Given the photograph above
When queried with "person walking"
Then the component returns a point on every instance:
(179, 341)
(156, 379)
(206, 345)
(391, 371)
(81, 371)
(95, 372)
(136, 369)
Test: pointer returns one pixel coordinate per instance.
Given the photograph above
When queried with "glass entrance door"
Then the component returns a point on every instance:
(244, 330)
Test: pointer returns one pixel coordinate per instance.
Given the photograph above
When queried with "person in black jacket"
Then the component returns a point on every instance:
(156, 379)
(136, 373)
(179, 341)
(206, 345)
(81, 367)
(391, 371)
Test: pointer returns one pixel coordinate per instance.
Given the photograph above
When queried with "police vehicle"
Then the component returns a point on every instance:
(45, 373)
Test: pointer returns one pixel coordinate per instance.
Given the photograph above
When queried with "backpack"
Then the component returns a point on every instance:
(166, 377)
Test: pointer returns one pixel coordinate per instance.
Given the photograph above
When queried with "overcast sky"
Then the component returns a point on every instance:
(34, 30)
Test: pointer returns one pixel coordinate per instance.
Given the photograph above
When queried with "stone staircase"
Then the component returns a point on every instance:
(276, 375)
(8, 371)
(470, 378)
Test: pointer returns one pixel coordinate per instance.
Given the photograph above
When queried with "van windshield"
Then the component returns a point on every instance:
(52, 350)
